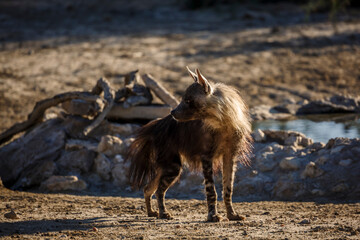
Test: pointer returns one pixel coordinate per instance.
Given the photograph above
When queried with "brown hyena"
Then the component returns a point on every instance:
(210, 128)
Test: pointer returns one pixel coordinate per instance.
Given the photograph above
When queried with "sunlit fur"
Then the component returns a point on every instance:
(228, 111)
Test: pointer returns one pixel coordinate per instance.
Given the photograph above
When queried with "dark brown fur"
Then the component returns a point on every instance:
(210, 129)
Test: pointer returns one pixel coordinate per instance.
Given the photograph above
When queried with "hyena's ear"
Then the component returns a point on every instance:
(193, 75)
(204, 82)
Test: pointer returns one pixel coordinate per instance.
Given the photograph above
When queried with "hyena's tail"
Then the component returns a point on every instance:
(141, 153)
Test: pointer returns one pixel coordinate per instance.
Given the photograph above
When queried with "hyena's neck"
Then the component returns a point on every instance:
(213, 123)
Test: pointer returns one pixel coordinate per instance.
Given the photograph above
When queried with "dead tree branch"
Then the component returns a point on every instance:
(160, 91)
(102, 85)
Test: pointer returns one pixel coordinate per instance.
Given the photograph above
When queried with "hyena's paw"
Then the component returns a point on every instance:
(153, 214)
(214, 218)
(165, 215)
(236, 217)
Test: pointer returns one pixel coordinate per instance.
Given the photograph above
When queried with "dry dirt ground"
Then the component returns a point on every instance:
(269, 52)
(62, 216)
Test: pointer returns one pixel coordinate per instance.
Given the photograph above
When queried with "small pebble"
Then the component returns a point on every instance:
(305, 221)
(11, 215)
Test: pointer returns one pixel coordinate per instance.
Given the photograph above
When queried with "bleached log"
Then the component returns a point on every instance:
(160, 91)
(139, 112)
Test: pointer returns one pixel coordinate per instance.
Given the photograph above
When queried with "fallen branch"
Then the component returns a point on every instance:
(37, 114)
(160, 91)
(102, 85)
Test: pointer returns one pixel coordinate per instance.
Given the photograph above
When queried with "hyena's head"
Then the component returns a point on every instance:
(194, 102)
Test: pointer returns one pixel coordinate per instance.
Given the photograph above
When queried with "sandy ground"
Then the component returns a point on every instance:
(61, 216)
(270, 53)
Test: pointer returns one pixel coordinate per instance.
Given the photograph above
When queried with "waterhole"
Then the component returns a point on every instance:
(318, 127)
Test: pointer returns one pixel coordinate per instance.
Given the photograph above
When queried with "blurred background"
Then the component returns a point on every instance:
(272, 51)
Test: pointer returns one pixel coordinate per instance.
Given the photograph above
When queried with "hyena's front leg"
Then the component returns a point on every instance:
(168, 177)
(211, 195)
(229, 169)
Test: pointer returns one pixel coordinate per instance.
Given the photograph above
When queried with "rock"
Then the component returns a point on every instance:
(336, 149)
(317, 192)
(118, 159)
(290, 108)
(291, 150)
(322, 160)
(103, 166)
(262, 112)
(316, 146)
(287, 189)
(11, 215)
(339, 188)
(290, 138)
(254, 173)
(111, 145)
(293, 140)
(298, 141)
(62, 183)
(39, 173)
(345, 162)
(265, 162)
(79, 160)
(276, 147)
(128, 142)
(335, 104)
(258, 135)
(119, 174)
(305, 142)
(43, 143)
(305, 221)
(311, 171)
(290, 164)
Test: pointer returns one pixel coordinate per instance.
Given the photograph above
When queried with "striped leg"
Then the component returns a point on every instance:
(149, 191)
(229, 168)
(211, 195)
(167, 179)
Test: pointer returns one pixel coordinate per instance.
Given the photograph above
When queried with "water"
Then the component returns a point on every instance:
(318, 127)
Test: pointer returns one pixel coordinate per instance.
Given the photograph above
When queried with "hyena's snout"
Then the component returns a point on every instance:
(180, 113)
(174, 114)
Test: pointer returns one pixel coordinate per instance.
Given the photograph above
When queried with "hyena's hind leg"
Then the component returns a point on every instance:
(149, 191)
(229, 168)
(170, 174)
